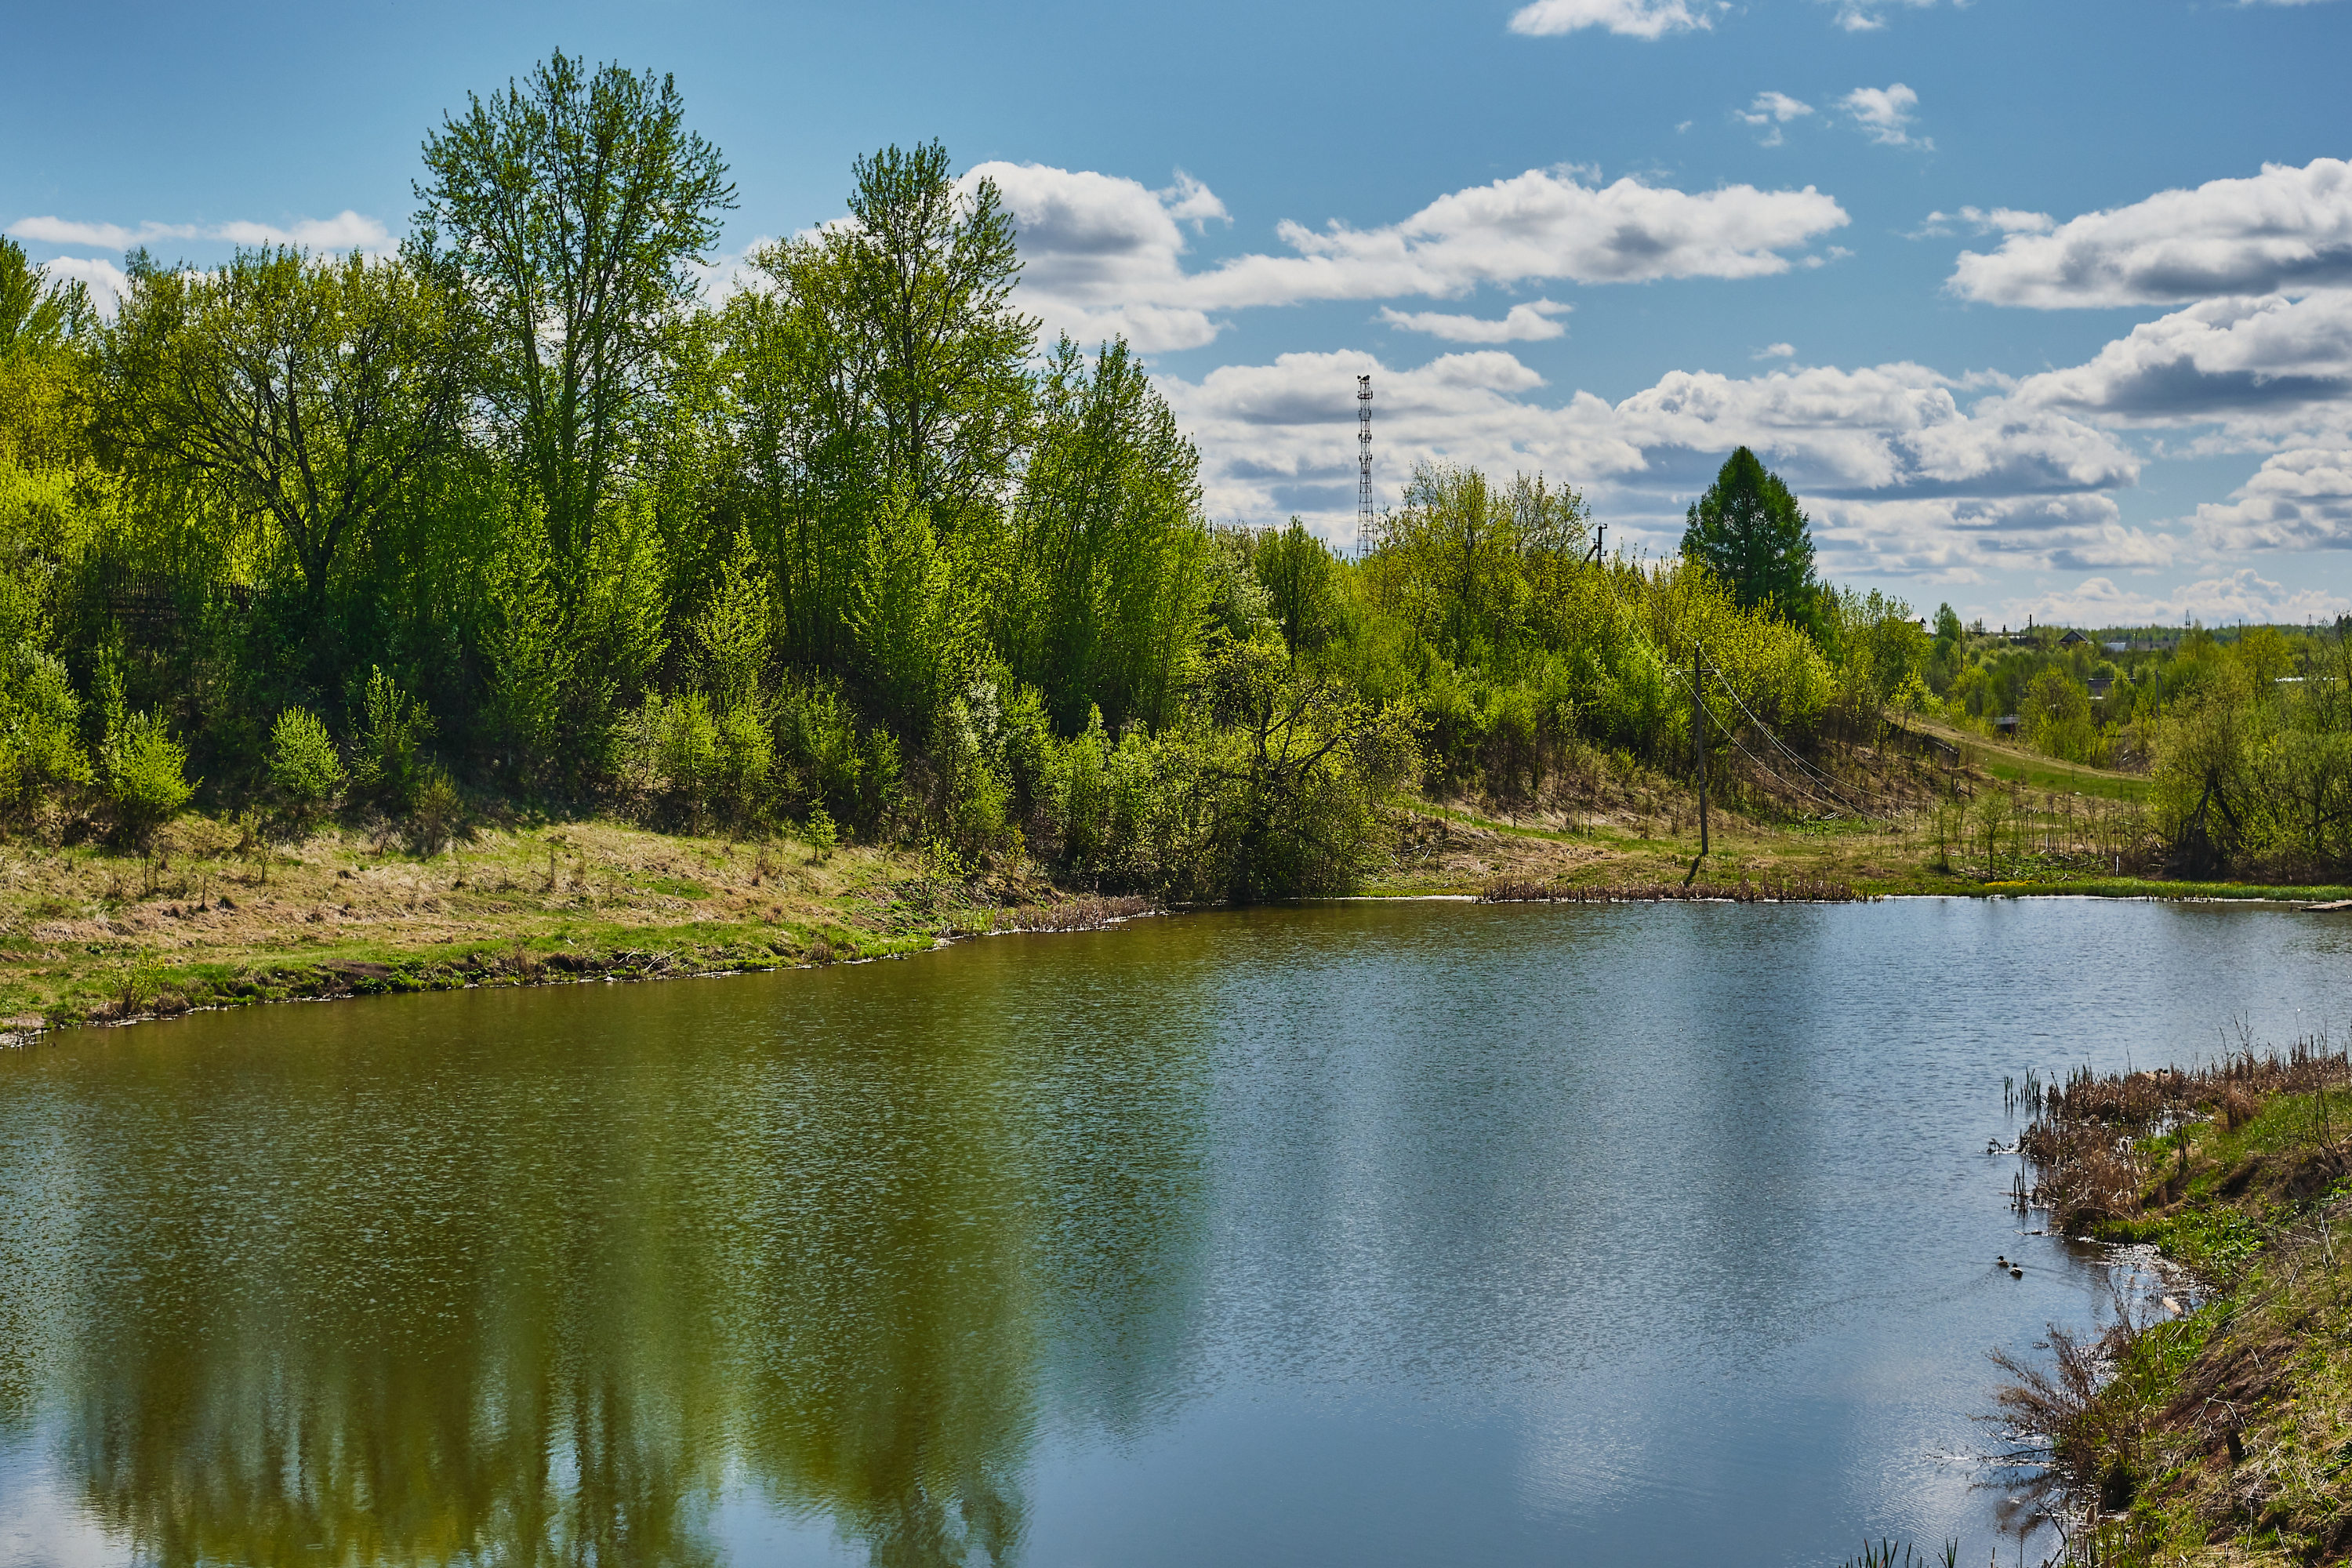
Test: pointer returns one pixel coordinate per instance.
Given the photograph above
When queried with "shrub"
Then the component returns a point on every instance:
(146, 776)
(820, 832)
(303, 765)
(393, 726)
(438, 808)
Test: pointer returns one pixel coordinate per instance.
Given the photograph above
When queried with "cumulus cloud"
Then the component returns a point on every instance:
(1869, 16)
(1903, 480)
(2299, 500)
(1998, 220)
(1103, 253)
(347, 230)
(1884, 113)
(1531, 322)
(1649, 20)
(2286, 230)
(2245, 594)
(1775, 351)
(105, 281)
(2270, 365)
(1774, 110)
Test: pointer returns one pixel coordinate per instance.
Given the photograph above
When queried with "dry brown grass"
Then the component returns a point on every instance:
(87, 933)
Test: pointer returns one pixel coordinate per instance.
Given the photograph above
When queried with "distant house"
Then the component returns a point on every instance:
(2099, 685)
(2122, 647)
(2073, 640)
(2006, 724)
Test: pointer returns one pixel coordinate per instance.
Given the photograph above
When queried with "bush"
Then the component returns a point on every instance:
(393, 726)
(303, 765)
(820, 833)
(146, 777)
(438, 808)
(38, 716)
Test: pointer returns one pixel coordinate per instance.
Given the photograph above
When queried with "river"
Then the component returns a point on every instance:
(1367, 1233)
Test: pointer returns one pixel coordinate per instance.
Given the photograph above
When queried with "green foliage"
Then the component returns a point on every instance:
(823, 838)
(40, 721)
(146, 776)
(387, 761)
(1108, 583)
(1467, 563)
(303, 766)
(567, 213)
(1749, 529)
(1302, 583)
(39, 314)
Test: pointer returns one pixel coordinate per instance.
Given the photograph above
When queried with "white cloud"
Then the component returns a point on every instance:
(1901, 480)
(1527, 323)
(105, 281)
(2299, 500)
(1775, 351)
(1998, 220)
(1864, 15)
(2286, 230)
(1884, 113)
(347, 230)
(1774, 110)
(1630, 18)
(1189, 201)
(2245, 594)
(2263, 368)
(1101, 253)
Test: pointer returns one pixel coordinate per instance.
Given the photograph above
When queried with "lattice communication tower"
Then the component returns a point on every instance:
(1364, 466)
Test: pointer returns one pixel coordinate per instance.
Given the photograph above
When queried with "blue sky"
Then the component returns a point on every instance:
(2043, 306)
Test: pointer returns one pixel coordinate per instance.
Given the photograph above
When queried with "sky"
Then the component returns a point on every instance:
(2042, 307)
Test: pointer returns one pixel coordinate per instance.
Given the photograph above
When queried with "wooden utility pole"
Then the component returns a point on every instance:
(1698, 749)
(1698, 734)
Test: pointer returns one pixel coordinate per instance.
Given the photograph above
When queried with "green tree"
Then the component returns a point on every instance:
(308, 390)
(2057, 717)
(1462, 558)
(37, 312)
(883, 364)
(1301, 578)
(146, 776)
(1749, 529)
(1110, 581)
(302, 764)
(386, 761)
(569, 211)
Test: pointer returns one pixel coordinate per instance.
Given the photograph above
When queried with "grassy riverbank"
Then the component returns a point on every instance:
(213, 918)
(2213, 1424)
(216, 916)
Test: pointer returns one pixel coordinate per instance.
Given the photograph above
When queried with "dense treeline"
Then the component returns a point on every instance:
(517, 515)
(2246, 733)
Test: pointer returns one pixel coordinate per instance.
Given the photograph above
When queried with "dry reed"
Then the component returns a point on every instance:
(1769, 890)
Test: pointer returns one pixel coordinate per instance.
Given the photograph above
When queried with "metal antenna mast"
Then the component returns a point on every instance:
(1364, 466)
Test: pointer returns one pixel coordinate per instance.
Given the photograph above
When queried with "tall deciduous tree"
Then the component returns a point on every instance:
(37, 311)
(1749, 529)
(571, 209)
(1463, 557)
(1107, 594)
(307, 390)
(883, 367)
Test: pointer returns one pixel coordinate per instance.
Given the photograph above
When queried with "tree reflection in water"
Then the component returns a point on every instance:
(543, 1278)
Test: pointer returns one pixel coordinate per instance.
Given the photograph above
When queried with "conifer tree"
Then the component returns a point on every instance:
(1749, 529)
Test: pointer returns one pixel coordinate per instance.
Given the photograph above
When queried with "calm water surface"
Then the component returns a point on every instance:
(1365, 1234)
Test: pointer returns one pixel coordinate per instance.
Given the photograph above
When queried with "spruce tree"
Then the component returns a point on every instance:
(1749, 531)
